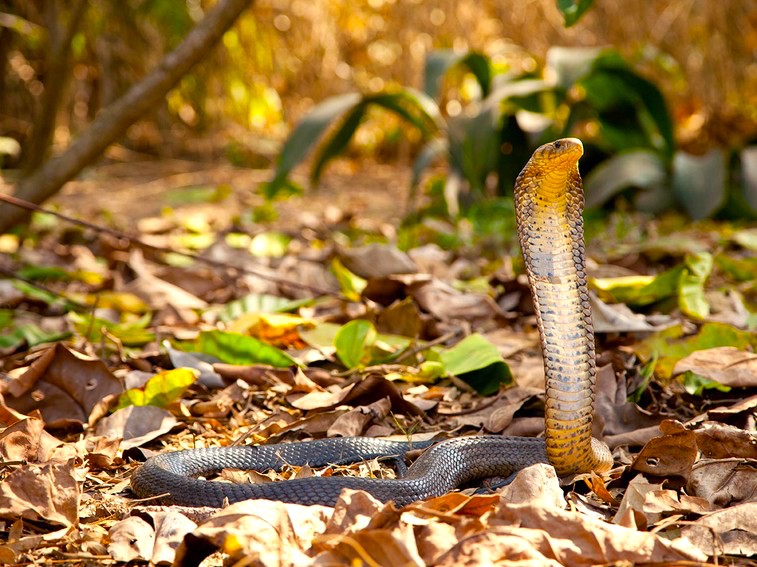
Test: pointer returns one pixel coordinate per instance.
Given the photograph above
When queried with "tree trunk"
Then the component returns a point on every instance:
(113, 122)
(57, 74)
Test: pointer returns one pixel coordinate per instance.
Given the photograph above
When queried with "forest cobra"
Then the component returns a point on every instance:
(548, 203)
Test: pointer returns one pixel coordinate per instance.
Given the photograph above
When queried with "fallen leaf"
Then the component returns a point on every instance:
(718, 441)
(727, 365)
(724, 482)
(131, 539)
(672, 454)
(47, 492)
(66, 386)
(732, 531)
(536, 485)
(445, 303)
(136, 425)
(273, 532)
(376, 261)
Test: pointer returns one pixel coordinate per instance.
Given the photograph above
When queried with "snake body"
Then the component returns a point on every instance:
(548, 204)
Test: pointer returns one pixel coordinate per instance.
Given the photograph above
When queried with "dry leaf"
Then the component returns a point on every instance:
(727, 365)
(66, 386)
(537, 484)
(725, 482)
(731, 531)
(718, 441)
(672, 454)
(136, 425)
(376, 261)
(42, 492)
(273, 533)
(131, 539)
(445, 303)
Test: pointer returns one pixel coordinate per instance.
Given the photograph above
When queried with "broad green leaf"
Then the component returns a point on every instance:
(353, 342)
(671, 346)
(351, 284)
(572, 10)
(695, 383)
(131, 333)
(161, 390)
(477, 361)
(234, 348)
(306, 135)
(42, 273)
(699, 182)
(638, 290)
(440, 61)
(691, 298)
(738, 269)
(6, 317)
(412, 106)
(631, 169)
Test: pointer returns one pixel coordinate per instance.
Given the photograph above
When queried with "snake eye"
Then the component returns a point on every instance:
(558, 143)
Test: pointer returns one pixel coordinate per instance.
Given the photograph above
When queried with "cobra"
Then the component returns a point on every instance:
(549, 206)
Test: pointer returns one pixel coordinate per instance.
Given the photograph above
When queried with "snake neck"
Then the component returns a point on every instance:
(549, 204)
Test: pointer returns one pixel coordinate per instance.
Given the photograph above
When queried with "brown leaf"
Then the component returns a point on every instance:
(42, 492)
(727, 365)
(136, 425)
(387, 548)
(445, 303)
(156, 292)
(672, 454)
(257, 375)
(66, 386)
(717, 441)
(355, 509)
(631, 512)
(537, 484)
(725, 482)
(354, 422)
(376, 261)
(26, 440)
(732, 531)
(568, 538)
(131, 539)
(272, 532)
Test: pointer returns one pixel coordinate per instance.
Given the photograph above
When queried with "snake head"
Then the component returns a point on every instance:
(560, 154)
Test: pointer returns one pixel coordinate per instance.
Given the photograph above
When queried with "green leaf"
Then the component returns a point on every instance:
(638, 290)
(691, 298)
(738, 269)
(235, 348)
(695, 384)
(353, 342)
(161, 390)
(570, 64)
(671, 346)
(270, 244)
(699, 182)
(631, 169)
(338, 141)
(260, 303)
(351, 284)
(477, 361)
(440, 61)
(306, 135)
(131, 333)
(572, 10)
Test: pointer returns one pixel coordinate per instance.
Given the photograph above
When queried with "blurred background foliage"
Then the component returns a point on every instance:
(663, 93)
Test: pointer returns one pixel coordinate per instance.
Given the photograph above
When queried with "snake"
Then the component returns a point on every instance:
(549, 201)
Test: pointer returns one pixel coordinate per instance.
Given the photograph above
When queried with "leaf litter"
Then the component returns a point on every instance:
(271, 335)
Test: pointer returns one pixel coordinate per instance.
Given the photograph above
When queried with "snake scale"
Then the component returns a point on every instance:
(549, 205)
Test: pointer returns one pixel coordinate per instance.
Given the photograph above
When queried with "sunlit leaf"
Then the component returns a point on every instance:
(746, 238)
(572, 10)
(699, 182)
(270, 245)
(279, 329)
(306, 135)
(691, 297)
(670, 345)
(638, 290)
(354, 341)
(235, 348)
(477, 361)
(695, 383)
(738, 269)
(351, 284)
(440, 61)
(161, 390)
